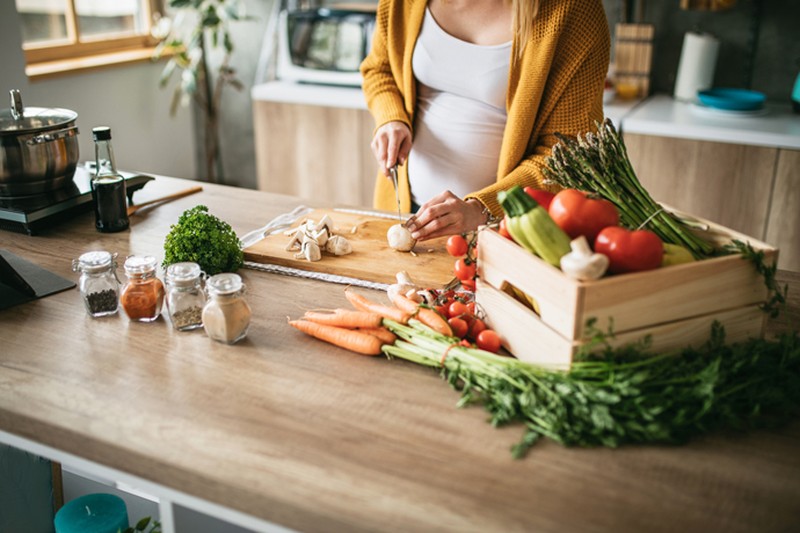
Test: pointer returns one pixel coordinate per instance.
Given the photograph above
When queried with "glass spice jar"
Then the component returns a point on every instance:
(185, 296)
(98, 283)
(226, 315)
(143, 294)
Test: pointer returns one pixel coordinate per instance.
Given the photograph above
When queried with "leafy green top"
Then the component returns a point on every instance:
(204, 239)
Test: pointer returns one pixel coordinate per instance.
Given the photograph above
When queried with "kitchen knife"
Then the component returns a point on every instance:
(393, 172)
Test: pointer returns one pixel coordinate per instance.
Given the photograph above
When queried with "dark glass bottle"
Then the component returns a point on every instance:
(108, 186)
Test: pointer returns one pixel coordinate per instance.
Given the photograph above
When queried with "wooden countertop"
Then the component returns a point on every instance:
(298, 433)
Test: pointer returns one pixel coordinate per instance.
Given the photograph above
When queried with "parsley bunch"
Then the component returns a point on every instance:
(623, 396)
(202, 238)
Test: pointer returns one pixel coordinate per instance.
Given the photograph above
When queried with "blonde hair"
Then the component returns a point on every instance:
(523, 11)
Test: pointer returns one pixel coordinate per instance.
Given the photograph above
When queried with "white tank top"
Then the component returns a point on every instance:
(461, 113)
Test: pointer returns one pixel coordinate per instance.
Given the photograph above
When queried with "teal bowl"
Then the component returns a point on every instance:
(732, 99)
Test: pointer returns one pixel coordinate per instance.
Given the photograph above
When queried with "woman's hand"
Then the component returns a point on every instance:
(391, 145)
(446, 214)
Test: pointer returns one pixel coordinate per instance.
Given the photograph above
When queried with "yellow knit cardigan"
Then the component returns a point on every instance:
(556, 86)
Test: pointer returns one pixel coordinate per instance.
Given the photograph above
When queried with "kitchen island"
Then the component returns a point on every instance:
(285, 430)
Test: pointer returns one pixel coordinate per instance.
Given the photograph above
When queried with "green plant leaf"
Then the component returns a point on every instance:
(141, 524)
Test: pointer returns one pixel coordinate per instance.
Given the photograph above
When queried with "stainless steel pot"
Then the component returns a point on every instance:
(38, 148)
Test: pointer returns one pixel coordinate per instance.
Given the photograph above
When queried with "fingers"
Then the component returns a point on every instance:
(442, 215)
(391, 145)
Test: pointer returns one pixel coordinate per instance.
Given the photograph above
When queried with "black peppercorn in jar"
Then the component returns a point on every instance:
(98, 283)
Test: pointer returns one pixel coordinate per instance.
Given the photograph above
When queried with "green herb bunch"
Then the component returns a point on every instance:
(202, 238)
(620, 396)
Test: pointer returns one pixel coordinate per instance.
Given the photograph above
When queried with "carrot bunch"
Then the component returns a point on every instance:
(362, 330)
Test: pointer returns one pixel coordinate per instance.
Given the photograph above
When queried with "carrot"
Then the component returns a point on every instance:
(345, 318)
(386, 336)
(364, 304)
(427, 316)
(352, 340)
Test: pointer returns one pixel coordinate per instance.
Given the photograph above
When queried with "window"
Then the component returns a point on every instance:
(61, 35)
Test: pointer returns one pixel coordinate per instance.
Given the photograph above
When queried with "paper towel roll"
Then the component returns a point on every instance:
(696, 66)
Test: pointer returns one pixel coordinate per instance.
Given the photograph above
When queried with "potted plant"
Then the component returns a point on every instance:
(198, 28)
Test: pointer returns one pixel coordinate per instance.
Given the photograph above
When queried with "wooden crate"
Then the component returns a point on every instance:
(674, 305)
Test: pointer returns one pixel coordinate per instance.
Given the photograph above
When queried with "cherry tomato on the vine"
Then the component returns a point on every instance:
(459, 326)
(488, 340)
(468, 284)
(476, 327)
(463, 270)
(457, 245)
(456, 309)
(471, 308)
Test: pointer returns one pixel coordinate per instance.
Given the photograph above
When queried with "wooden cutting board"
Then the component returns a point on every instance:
(371, 260)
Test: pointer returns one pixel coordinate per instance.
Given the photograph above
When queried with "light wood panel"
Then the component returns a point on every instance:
(315, 152)
(783, 228)
(309, 436)
(729, 184)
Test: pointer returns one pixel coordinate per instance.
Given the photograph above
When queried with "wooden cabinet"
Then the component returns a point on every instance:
(752, 189)
(315, 152)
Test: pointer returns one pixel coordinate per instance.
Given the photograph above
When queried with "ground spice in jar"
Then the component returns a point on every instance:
(226, 316)
(190, 316)
(102, 301)
(143, 294)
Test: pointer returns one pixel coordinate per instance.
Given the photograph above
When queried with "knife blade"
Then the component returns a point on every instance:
(393, 173)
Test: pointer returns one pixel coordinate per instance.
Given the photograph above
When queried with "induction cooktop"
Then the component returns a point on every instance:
(32, 214)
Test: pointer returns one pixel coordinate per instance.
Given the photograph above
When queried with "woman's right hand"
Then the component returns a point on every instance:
(391, 145)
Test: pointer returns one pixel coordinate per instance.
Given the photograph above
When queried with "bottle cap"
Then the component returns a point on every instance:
(95, 261)
(101, 133)
(226, 283)
(140, 264)
(183, 273)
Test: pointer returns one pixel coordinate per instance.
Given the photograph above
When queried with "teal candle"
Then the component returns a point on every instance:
(93, 513)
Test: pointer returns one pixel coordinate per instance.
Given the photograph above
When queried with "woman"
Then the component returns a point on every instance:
(468, 94)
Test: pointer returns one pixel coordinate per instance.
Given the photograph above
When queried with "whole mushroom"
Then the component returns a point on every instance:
(400, 238)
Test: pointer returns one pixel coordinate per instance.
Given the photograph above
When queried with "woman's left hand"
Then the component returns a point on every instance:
(446, 214)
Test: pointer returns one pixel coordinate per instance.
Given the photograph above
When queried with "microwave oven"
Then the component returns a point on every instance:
(324, 45)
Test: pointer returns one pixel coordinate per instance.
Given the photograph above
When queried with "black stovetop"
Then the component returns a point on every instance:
(31, 214)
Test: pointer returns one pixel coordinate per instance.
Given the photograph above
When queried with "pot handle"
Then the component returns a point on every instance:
(53, 135)
(17, 111)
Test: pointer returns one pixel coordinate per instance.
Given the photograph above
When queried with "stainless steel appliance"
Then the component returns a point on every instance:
(325, 45)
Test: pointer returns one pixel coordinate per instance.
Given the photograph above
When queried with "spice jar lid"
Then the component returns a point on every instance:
(140, 264)
(183, 273)
(94, 261)
(225, 283)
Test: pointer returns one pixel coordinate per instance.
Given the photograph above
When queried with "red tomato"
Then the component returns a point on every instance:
(488, 340)
(578, 215)
(441, 309)
(629, 251)
(456, 309)
(465, 343)
(543, 198)
(464, 271)
(468, 284)
(503, 229)
(471, 308)
(476, 328)
(456, 245)
(459, 326)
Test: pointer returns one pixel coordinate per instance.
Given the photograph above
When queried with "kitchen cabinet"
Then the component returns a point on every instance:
(315, 147)
(743, 173)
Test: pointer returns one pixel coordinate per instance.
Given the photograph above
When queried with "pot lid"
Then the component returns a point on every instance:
(18, 119)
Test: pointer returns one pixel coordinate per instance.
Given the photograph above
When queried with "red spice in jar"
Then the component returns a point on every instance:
(143, 294)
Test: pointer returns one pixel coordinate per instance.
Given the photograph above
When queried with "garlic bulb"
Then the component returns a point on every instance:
(400, 238)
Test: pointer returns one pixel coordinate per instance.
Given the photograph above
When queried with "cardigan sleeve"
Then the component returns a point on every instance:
(572, 98)
(381, 75)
